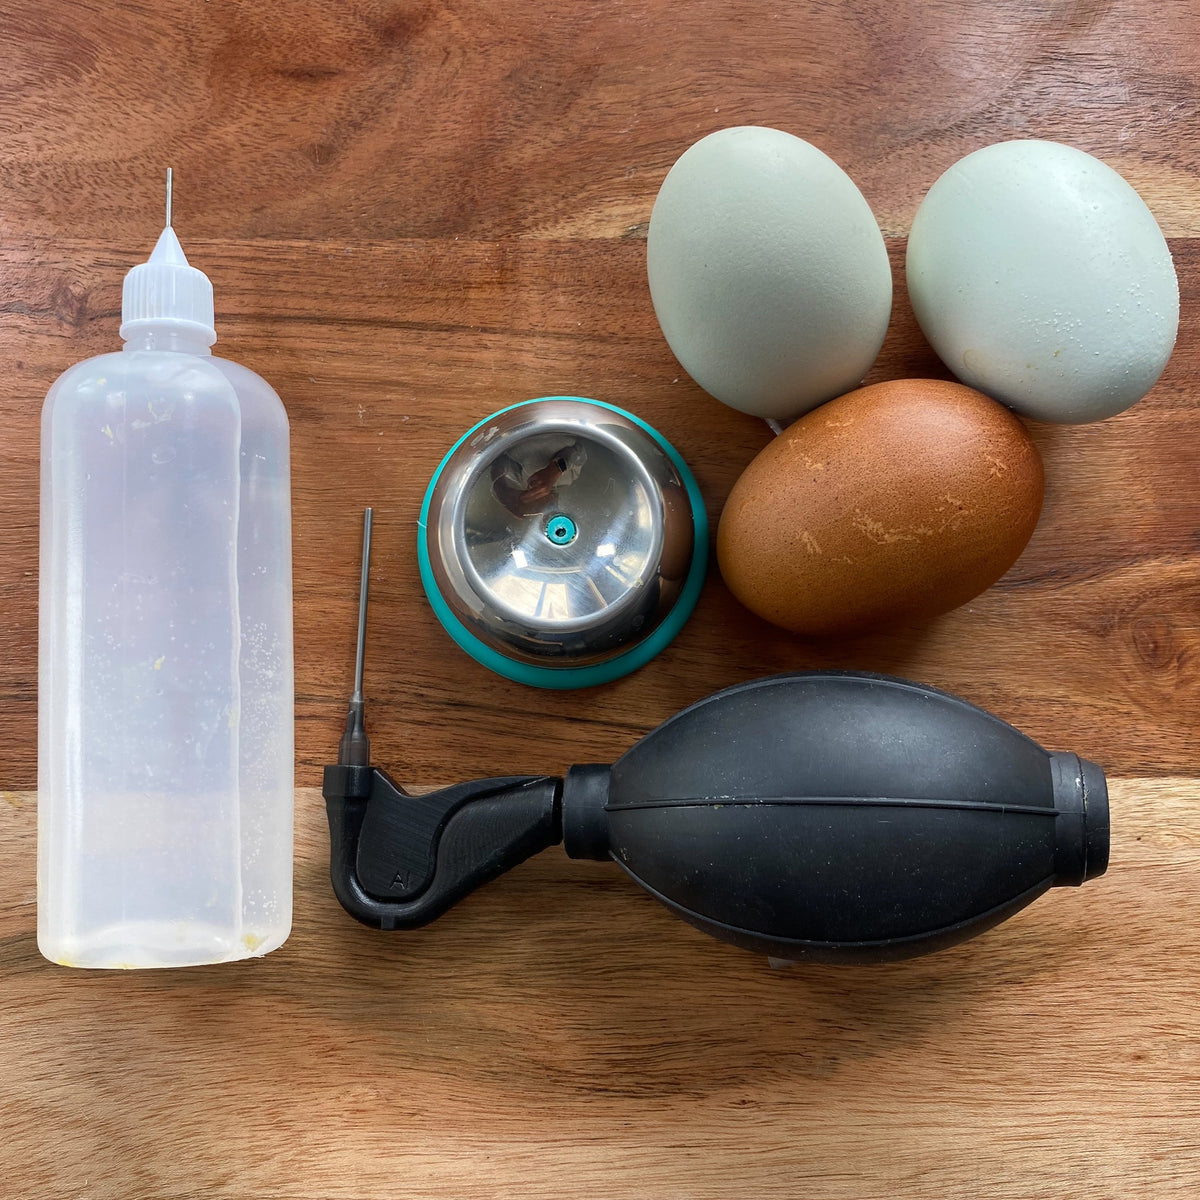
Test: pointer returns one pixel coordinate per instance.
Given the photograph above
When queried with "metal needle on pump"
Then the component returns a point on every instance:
(354, 750)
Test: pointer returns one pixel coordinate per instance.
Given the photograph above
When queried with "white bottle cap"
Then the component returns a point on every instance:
(166, 293)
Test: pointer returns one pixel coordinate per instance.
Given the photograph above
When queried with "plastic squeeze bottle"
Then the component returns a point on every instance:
(165, 701)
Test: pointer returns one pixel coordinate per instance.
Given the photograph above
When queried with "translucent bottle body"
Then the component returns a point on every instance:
(165, 701)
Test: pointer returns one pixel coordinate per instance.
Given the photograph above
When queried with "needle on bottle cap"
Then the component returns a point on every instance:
(168, 198)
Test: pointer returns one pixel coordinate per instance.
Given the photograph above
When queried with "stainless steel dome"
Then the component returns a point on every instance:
(560, 534)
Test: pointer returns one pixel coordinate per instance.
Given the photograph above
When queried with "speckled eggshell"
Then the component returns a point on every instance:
(768, 272)
(1040, 277)
(892, 503)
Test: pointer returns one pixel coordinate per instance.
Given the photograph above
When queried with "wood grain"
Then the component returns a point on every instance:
(560, 1034)
(414, 213)
(486, 119)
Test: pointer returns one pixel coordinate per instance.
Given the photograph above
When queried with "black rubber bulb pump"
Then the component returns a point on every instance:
(828, 815)
(825, 816)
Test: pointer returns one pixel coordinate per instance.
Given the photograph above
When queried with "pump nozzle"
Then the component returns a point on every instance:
(166, 292)
(354, 750)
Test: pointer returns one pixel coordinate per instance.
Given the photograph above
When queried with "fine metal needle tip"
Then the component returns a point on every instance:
(169, 197)
(354, 750)
(363, 584)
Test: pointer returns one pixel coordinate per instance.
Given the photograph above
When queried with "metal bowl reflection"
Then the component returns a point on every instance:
(561, 532)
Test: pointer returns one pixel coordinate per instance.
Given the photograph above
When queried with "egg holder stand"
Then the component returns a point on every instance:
(562, 542)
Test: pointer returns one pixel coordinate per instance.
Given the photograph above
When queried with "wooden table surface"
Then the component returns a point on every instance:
(414, 213)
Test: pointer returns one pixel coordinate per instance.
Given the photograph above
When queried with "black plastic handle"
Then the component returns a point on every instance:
(397, 861)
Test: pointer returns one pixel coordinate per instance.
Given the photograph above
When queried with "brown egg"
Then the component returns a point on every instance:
(894, 502)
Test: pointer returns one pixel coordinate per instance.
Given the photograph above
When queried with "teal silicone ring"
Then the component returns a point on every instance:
(562, 678)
